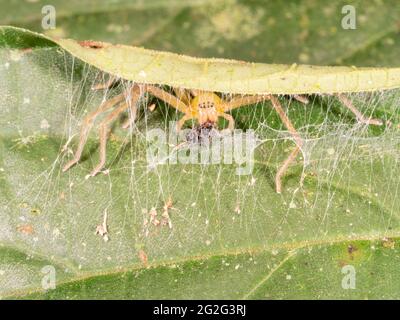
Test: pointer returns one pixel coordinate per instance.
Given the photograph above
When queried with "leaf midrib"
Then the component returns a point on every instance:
(293, 247)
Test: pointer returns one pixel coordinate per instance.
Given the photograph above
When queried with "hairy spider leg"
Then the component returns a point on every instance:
(183, 95)
(301, 98)
(172, 101)
(104, 129)
(239, 102)
(133, 110)
(89, 121)
(360, 117)
(166, 97)
(299, 143)
(87, 126)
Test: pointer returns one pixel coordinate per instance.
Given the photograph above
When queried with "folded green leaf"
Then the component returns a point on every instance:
(228, 76)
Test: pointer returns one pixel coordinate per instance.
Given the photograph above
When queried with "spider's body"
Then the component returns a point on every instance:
(205, 107)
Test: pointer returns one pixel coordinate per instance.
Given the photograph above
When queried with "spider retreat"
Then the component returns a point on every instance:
(203, 106)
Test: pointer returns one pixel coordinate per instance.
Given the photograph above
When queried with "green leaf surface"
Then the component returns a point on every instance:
(231, 236)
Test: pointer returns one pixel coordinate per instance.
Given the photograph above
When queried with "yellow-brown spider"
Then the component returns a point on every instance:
(205, 107)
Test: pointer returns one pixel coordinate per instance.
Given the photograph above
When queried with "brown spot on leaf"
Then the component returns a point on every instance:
(25, 229)
(143, 257)
(91, 44)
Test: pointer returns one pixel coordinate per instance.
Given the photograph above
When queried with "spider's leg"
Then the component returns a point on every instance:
(195, 92)
(131, 116)
(231, 121)
(360, 117)
(173, 101)
(103, 133)
(132, 104)
(238, 102)
(243, 101)
(88, 124)
(167, 98)
(104, 128)
(183, 95)
(299, 143)
(301, 98)
(282, 170)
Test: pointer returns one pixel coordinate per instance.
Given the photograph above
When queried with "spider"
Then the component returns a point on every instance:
(204, 106)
